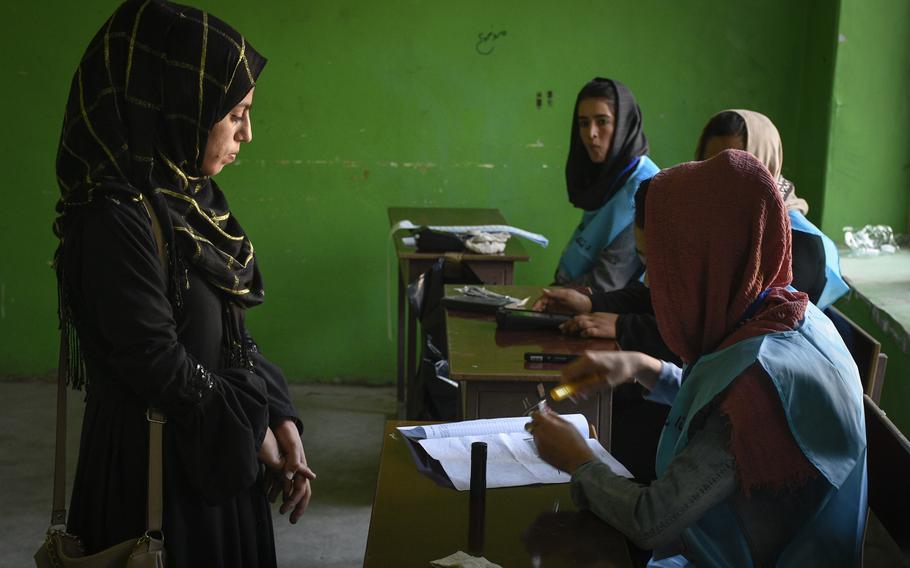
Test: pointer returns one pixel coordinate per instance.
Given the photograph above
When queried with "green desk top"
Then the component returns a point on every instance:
(883, 282)
(478, 351)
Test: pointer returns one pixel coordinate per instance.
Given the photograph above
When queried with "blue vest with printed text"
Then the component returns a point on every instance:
(598, 228)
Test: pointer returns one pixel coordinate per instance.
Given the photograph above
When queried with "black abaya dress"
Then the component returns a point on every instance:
(139, 352)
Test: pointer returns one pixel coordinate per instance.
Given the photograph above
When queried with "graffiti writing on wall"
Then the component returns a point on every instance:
(486, 41)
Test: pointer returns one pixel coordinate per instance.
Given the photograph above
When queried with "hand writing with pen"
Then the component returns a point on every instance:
(560, 444)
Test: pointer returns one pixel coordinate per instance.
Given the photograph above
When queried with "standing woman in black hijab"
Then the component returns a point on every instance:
(608, 159)
(161, 102)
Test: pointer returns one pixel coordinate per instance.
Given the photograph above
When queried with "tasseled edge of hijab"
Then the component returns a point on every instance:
(767, 455)
(71, 357)
(71, 360)
(768, 458)
(237, 348)
(174, 265)
(782, 310)
(178, 279)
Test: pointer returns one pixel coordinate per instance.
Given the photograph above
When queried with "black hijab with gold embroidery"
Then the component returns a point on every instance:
(151, 85)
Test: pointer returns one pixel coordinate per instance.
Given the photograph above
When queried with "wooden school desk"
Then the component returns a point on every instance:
(415, 521)
(495, 380)
(490, 268)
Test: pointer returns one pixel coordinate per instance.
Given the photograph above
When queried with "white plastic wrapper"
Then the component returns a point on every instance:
(487, 243)
(871, 240)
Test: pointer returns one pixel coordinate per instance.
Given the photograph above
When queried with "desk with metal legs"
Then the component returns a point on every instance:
(490, 268)
(495, 380)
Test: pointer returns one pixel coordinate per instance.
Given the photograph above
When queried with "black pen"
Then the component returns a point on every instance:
(550, 357)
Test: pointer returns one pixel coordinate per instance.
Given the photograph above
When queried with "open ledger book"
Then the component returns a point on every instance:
(512, 457)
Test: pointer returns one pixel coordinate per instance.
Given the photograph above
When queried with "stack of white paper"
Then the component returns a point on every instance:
(512, 458)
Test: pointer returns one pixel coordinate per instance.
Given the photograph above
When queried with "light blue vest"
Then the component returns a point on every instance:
(819, 387)
(598, 228)
(835, 287)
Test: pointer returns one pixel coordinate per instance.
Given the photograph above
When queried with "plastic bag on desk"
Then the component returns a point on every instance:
(429, 240)
(871, 240)
(487, 243)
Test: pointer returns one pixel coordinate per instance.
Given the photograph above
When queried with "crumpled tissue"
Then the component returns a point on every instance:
(487, 243)
(463, 560)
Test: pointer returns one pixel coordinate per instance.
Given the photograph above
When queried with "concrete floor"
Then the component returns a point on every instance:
(342, 438)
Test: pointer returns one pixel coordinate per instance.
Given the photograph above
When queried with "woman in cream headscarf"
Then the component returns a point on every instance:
(816, 267)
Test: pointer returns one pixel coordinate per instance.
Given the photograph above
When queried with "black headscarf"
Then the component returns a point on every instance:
(590, 185)
(151, 85)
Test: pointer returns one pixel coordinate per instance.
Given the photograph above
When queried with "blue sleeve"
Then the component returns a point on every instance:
(667, 385)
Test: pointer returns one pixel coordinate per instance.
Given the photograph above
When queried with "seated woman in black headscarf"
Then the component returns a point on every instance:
(155, 277)
(608, 159)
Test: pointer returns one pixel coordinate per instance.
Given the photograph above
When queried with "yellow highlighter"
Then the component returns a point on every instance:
(567, 390)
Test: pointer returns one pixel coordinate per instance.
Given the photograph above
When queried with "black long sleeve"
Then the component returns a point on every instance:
(636, 326)
(635, 298)
(281, 407)
(638, 332)
(809, 264)
(130, 342)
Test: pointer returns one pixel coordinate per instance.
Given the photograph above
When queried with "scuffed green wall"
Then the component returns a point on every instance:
(868, 166)
(868, 169)
(370, 104)
(809, 170)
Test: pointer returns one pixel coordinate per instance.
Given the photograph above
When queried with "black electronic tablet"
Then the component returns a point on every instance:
(474, 303)
(508, 318)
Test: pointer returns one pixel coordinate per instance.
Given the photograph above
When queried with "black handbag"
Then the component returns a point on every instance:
(429, 240)
(436, 398)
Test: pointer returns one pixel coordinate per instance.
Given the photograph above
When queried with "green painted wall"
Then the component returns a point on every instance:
(809, 170)
(868, 164)
(370, 104)
(868, 170)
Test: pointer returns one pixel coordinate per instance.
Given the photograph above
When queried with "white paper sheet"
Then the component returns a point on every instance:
(512, 458)
(481, 427)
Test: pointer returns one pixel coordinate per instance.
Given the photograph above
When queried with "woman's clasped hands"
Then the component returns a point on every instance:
(288, 474)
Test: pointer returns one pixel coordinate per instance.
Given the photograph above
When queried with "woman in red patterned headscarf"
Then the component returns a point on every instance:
(762, 459)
